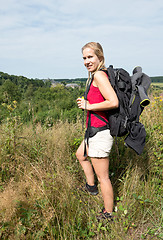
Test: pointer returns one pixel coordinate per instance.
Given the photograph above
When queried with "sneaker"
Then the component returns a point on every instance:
(103, 215)
(93, 190)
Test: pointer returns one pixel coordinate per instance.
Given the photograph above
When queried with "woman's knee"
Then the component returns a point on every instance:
(103, 179)
(80, 155)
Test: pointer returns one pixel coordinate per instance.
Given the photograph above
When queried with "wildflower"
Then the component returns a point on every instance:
(132, 225)
(14, 104)
(10, 108)
(4, 104)
(116, 209)
(125, 212)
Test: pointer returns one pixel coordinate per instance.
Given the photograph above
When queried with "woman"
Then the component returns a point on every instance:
(100, 98)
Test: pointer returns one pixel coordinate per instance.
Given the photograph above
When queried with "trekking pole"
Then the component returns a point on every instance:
(83, 121)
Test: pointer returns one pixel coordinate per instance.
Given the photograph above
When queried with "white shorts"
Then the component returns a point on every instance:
(100, 145)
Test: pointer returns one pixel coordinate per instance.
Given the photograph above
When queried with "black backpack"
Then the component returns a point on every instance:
(132, 96)
(122, 85)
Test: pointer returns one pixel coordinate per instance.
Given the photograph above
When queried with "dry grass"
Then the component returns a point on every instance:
(39, 174)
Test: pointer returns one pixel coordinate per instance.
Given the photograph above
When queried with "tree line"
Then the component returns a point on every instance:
(36, 100)
(157, 79)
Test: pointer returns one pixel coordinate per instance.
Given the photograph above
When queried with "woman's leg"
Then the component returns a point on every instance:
(101, 167)
(86, 165)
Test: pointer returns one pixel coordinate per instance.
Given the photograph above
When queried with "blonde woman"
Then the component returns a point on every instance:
(101, 97)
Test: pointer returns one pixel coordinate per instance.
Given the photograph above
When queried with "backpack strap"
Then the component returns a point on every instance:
(99, 117)
(86, 137)
(88, 87)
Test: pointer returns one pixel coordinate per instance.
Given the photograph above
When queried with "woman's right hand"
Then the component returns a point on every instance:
(82, 103)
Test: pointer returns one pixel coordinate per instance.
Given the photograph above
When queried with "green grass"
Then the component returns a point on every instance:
(39, 175)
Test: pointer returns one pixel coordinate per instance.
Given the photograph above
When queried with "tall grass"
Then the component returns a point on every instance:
(40, 174)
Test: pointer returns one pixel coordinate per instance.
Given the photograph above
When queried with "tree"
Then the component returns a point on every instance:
(10, 92)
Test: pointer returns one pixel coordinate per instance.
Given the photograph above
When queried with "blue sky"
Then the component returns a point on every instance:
(43, 39)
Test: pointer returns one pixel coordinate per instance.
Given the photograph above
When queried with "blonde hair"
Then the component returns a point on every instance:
(98, 50)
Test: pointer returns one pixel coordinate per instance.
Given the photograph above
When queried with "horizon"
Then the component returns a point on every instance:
(60, 78)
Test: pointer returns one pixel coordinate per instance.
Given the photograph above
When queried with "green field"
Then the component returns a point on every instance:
(159, 84)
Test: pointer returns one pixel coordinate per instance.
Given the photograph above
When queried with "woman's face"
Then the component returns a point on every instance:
(91, 61)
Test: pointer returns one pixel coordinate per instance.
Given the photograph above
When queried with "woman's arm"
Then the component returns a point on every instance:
(111, 101)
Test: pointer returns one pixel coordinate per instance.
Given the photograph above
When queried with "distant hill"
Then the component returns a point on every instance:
(157, 79)
(16, 79)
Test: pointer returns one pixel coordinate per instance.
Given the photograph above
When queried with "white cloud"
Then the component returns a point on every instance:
(43, 38)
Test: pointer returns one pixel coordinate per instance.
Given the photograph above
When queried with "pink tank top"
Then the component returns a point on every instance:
(95, 96)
